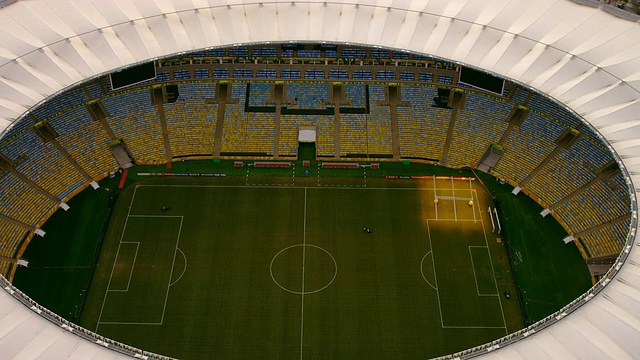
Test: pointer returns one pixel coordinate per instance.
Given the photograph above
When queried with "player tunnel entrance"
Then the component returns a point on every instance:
(307, 136)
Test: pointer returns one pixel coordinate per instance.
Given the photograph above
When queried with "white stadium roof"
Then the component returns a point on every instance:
(581, 55)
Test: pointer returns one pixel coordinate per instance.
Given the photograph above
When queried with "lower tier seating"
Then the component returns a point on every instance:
(325, 144)
(353, 134)
(379, 131)
(607, 241)
(191, 126)
(527, 146)
(21, 202)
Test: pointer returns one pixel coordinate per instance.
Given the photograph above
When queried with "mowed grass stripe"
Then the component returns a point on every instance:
(125, 262)
(372, 298)
(482, 274)
(226, 303)
(379, 305)
(460, 303)
(146, 277)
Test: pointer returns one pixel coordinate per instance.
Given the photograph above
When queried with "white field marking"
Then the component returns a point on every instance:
(184, 270)
(304, 249)
(435, 277)
(170, 274)
(473, 204)
(422, 270)
(293, 179)
(473, 267)
(113, 267)
(306, 292)
(454, 198)
(155, 216)
(452, 220)
(438, 291)
(364, 185)
(453, 193)
(346, 187)
(133, 266)
(474, 327)
(484, 231)
(127, 323)
(435, 195)
(166, 297)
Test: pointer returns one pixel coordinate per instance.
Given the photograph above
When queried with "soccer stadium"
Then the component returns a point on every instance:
(318, 179)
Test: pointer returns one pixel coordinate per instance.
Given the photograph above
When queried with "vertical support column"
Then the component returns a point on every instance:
(221, 95)
(395, 130)
(449, 139)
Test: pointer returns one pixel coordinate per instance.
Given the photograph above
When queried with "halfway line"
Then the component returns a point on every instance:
(304, 249)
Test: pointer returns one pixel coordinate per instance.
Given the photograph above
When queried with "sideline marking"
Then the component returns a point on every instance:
(435, 196)
(453, 193)
(175, 252)
(473, 203)
(133, 266)
(438, 291)
(304, 251)
(113, 267)
(328, 187)
(473, 267)
(435, 277)
(363, 185)
(293, 179)
(129, 215)
(486, 241)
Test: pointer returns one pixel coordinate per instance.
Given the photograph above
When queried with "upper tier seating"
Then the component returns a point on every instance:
(66, 100)
(95, 90)
(307, 95)
(354, 96)
(259, 94)
(264, 52)
(551, 108)
(520, 95)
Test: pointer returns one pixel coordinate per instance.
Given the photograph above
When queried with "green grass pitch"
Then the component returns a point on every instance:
(288, 272)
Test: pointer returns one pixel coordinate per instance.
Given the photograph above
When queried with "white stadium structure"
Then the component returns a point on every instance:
(580, 53)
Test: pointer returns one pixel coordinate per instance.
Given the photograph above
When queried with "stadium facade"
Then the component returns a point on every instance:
(575, 52)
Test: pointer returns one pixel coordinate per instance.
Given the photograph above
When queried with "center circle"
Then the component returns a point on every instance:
(303, 269)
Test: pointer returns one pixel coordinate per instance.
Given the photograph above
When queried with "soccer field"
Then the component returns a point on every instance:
(289, 272)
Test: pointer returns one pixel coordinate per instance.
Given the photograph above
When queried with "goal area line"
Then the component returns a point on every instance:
(437, 288)
(115, 261)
